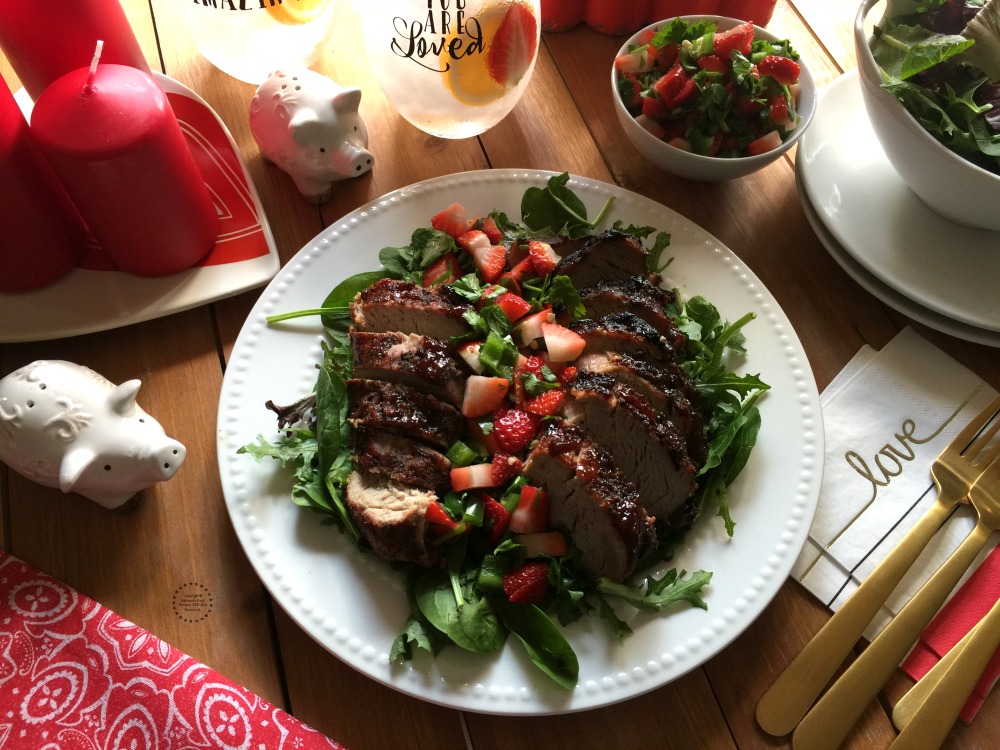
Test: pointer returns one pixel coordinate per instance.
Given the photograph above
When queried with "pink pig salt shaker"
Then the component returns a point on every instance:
(310, 127)
(64, 425)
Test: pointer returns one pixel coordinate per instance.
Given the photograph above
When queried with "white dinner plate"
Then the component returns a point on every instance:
(96, 297)
(354, 605)
(886, 293)
(946, 267)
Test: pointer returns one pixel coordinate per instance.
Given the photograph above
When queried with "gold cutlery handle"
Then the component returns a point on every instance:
(796, 689)
(909, 704)
(836, 713)
(933, 720)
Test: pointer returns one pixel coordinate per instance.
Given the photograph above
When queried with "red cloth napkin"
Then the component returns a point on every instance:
(967, 607)
(73, 674)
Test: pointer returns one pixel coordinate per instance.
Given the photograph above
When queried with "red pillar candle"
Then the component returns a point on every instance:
(115, 143)
(44, 40)
(41, 234)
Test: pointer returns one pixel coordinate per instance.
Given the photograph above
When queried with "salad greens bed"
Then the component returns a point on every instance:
(940, 58)
(461, 602)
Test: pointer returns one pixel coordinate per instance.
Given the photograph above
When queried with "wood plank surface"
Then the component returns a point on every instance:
(176, 538)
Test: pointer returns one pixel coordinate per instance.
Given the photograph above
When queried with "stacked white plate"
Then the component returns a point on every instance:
(935, 271)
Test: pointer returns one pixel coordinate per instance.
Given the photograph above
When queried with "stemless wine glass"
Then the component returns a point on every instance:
(453, 68)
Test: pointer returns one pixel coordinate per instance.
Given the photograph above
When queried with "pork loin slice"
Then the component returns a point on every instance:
(606, 257)
(402, 409)
(626, 332)
(648, 449)
(391, 517)
(659, 388)
(423, 362)
(400, 458)
(393, 305)
(635, 295)
(591, 500)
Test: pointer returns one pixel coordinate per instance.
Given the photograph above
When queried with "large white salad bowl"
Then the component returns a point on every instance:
(950, 185)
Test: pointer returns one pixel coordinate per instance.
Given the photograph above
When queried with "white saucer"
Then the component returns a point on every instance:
(946, 268)
(883, 291)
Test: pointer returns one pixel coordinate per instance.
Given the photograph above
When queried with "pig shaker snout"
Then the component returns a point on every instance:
(63, 425)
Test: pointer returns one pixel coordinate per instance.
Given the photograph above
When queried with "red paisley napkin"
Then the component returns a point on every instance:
(967, 607)
(76, 676)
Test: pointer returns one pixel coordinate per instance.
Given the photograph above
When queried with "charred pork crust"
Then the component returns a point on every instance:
(393, 305)
(646, 446)
(626, 332)
(380, 405)
(400, 458)
(666, 377)
(591, 499)
(423, 362)
(611, 256)
(391, 517)
(635, 295)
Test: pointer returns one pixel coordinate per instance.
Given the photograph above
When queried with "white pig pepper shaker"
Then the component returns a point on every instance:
(64, 425)
(310, 127)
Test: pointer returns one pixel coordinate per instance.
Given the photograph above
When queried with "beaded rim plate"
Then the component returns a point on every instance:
(354, 605)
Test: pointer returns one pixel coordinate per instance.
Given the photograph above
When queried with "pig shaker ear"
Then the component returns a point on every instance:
(305, 126)
(347, 100)
(74, 463)
(122, 399)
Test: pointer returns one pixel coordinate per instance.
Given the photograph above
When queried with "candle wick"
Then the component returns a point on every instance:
(89, 87)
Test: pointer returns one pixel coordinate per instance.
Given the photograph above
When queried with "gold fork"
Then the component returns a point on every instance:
(795, 690)
(831, 719)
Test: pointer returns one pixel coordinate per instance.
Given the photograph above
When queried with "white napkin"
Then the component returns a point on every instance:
(887, 416)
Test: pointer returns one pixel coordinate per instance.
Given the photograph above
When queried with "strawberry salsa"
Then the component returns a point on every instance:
(712, 93)
(504, 569)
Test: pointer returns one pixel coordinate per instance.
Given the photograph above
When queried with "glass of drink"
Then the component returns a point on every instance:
(453, 68)
(250, 40)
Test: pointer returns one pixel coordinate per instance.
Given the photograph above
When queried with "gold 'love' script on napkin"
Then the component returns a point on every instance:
(886, 417)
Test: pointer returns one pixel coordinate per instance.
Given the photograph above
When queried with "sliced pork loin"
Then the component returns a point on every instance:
(425, 363)
(393, 305)
(646, 446)
(591, 499)
(606, 257)
(391, 517)
(626, 332)
(400, 458)
(635, 295)
(380, 405)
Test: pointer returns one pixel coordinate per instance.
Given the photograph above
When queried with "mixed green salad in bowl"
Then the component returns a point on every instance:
(930, 76)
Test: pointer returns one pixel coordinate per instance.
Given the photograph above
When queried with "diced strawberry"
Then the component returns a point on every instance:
(531, 326)
(713, 64)
(527, 584)
(505, 468)
(653, 107)
(566, 375)
(640, 60)
(507, 281)
(451, 221)
(490, 261)
(782, 69)
(514, 307)
(675, 87)
(543, 257)
(764, 144)
(532, 512)
(525, 366)
(562, 344)
(681, 143)
(488, 439)
(469, 352)
(514, 429)
(551, 543)
(496, 519)
(513, 47)
(546, 404)
(491, 230)
(739, 38)
(483, 395)
(637, 87)
(745, 106)
(439, 520)
(444, 270)
(778, 111)
(477, 476)
(524, 269)
(473, 240)
(667, 55)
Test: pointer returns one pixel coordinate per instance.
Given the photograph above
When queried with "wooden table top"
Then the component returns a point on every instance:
(179, 532)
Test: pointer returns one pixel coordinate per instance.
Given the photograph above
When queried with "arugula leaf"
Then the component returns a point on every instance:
(654, 594)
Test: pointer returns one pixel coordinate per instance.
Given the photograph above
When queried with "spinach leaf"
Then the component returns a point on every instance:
(467, 618)
(903, 51)
(410, 261)
(557, 208)
(548, 648)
